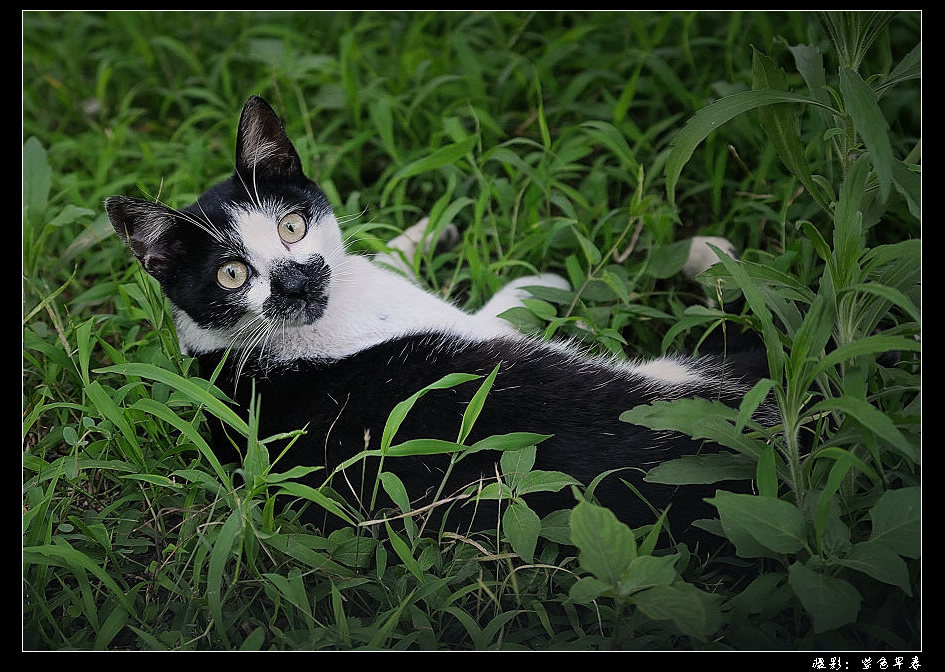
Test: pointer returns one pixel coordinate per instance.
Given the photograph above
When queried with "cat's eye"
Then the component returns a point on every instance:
(292, 227)
(232, 274)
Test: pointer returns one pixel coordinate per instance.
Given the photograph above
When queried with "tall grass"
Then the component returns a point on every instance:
(591, 144)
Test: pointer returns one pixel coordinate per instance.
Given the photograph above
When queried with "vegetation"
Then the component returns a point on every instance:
(591, 144)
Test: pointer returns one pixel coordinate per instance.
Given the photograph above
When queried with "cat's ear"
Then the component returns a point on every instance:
(142, 225)
(262, 146)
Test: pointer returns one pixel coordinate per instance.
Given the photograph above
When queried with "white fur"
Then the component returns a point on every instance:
(369, 303)
(701, 256)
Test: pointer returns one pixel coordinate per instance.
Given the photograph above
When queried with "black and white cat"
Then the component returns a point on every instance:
(257, 266)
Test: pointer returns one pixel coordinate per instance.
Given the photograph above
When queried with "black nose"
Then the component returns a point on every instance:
(300, 281)
(298, 292)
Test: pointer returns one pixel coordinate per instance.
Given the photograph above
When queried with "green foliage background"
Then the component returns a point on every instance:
(591, 144)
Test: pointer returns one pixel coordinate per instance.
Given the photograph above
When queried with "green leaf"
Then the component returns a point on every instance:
(666, 261)
(521, 526)
(751, 401)
(198, 392)
(110, 410)
(63, 554)
(167, 415)
(587, 589)
(443, 156)
(647, 571)
(897, 521)
(544, 481)
(872, 419)
(780, 124)
(516, 463)
(403, 552)
(751, 521)
(699, 418)
(829, 601)
(767, 475)
(710, 118)
(395, 489)
(860, 102)
(474, 408)
(701, 469)
(37, 177)
(226, 538)
(606, 545)
(510, 441)
(692, 611)
(880, 562)
(307, 492)
(400, 411)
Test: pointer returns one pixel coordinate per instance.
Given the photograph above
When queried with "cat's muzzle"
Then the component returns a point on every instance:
(299, 292)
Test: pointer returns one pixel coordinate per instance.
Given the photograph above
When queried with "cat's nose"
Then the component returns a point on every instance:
(300, 280)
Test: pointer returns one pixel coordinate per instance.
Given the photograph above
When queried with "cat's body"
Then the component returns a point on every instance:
(334, 341)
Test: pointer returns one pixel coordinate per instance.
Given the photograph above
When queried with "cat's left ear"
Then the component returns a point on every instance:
(262, 146)
(142, 225)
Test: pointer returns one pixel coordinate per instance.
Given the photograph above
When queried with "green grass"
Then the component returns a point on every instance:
(587, 144)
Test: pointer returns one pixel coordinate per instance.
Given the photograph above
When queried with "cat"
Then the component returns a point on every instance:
(332, 341)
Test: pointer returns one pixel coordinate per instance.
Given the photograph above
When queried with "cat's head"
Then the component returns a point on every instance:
(252, 258)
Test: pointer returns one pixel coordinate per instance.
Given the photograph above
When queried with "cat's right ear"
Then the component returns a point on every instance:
(142, 225)
(262, 146)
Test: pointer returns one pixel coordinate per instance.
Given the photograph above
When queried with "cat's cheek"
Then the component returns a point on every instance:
(254, 298)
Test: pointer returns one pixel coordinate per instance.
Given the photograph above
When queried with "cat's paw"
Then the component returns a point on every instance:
(513, 293)
(701, 256)
(403, 247)
(414, 236)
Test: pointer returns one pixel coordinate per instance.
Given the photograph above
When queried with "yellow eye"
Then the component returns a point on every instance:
(232, 275)
(292, 228)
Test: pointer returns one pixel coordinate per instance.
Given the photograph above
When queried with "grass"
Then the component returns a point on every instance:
(590, 144)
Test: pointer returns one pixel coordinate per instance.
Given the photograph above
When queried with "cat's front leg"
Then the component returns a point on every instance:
(403, 247)
(701, 256)
(512, 294)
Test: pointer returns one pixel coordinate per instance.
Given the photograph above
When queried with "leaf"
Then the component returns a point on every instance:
(767, 475)
(37, 177)
(897, 521)
(667, 260)
(403, 552)
(880, 562)
(751, 521)
(521, 526)
(474, 408)
(829, 601)
(699, 418)
(587, 589)
(63, 554)
(702, 469)
(397, 415)
(544, 481)
(516, 463)
(510, 441)
(606, 545)
(751, 401)
(780, 125)
(647, 571)
(395, 489)
(443, 156)
(692, 611)
(110, 410)
(308, 492)
(872, 419)
(222, 548)
(860, 102)
(710, 118)
(196, 392)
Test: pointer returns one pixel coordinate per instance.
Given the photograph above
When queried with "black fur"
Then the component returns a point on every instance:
(345, 405)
